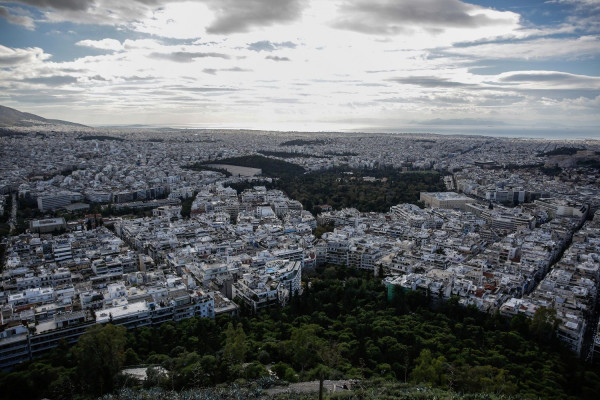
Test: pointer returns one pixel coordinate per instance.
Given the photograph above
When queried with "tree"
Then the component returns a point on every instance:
(235, 348)
(306, 345)
(100, 353)
(429, 370)
(320, 372)
(544, 324)
(131, 357)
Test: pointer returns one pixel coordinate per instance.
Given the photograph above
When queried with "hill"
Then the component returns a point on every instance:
(11, 117)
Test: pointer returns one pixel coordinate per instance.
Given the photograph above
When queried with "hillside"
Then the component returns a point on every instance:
(345, 326)
(11, 117)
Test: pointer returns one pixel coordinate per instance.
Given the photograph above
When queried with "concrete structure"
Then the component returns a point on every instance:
(48, 225)
(445, 200)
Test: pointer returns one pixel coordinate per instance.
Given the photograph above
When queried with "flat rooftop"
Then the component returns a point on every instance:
(48, 221)
(447, 196)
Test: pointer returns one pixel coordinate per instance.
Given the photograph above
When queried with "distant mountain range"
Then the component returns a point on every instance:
(11, 117)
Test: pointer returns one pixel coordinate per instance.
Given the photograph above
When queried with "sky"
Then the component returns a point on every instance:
(504, 67)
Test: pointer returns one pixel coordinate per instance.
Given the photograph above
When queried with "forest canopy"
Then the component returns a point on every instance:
(342, 326)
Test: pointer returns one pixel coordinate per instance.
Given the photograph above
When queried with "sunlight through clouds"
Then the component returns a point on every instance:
(377, 63)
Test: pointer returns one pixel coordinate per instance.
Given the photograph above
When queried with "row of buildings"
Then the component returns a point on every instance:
(150, 270)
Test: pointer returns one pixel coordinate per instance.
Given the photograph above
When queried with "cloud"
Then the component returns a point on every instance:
(97, 78)
(204, 89)
(104, 44)
(581, 4)
(463, 122)
(184, 19)
(266, 45)
(11, 57)
(56, 80)
(551, 79)
(429, 82)
(22, 20)
(276, 58)
(537, 49)
(44, 98)
(213, 71)
(74, 5)
(233, 16)
(185, 57)
(392, 17)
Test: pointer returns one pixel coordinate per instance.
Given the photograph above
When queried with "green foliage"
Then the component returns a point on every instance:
(186, 206)
(321, 229)
(100, 138)
(544, 324)
(131, 357)
(305, 345)
(343, 325)
(429, 370)
(561, 151)
(202, 167)
(269, 166)
(589, 163)
(302, 142)
(99, 354)
(235, 348)
(339, 189)
(288, 154)
(551, 171)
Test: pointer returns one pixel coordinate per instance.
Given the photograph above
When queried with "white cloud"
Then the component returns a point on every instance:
(104, 44)
(537, 49)
(391, 17)
(549, 80)
(17, 57)
(185, 20)
(315, 60)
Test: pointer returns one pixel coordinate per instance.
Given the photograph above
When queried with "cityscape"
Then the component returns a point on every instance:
(299, 199)
(128, 228)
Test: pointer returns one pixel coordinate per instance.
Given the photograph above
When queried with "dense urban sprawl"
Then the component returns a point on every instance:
(516, 231)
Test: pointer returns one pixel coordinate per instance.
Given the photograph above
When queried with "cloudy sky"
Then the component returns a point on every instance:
(488, 66)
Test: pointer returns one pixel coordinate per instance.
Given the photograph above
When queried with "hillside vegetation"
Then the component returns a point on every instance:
(270, 167)
(342, 326)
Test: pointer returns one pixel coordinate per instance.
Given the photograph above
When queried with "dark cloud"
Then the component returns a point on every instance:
(184, 56)
(74, 5)
(25, 21)
(56, 80)
(236, 69)
(239, 16)
(136, 78)
(46, 96)
(266, 45)
(394, 17)
(98, 78)
(7, 60)
(276, 58)
(463, 121)
(10, 57)
(549, 77)
(213, 71)
(430, 82)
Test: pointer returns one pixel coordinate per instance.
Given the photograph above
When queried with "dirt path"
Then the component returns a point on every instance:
(310, 387)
